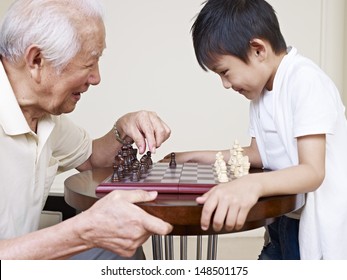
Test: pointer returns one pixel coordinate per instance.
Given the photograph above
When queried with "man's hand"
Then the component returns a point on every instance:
(117, 224)
(143, 126)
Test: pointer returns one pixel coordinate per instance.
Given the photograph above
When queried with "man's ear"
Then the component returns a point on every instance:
(34, 61)
(258, 48)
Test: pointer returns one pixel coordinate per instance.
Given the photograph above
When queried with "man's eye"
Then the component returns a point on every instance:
(223, 72)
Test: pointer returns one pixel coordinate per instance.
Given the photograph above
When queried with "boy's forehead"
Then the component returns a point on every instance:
(216, 61)
(214, 67)
(213, 61)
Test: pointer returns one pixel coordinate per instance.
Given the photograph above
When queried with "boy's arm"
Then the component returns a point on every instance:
(232, 201)
(209, 157)
(305, 177)
(253, 154)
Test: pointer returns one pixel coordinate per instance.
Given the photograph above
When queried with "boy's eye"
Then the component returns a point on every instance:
(223, 72)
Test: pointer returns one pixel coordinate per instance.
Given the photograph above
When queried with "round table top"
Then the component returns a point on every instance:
(179, 210)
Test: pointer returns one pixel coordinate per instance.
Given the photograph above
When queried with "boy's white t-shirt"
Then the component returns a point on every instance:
(274, 151)
(306, 102)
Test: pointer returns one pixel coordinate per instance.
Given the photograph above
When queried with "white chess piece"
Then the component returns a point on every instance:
(219, 157)
(246, 165)
(223, 178)
(222, 175)
(239, 164)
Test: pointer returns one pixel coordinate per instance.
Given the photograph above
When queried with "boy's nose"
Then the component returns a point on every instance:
(226, 83)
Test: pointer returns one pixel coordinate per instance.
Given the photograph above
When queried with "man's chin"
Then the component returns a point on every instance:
(64, 111)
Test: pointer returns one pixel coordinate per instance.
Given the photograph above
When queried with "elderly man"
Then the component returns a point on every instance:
(49, 52)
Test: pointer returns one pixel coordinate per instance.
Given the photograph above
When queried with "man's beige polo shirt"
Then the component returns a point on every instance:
(29, 161)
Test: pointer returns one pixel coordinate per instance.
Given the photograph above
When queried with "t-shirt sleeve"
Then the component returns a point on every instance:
(314, 104)
(71, 144)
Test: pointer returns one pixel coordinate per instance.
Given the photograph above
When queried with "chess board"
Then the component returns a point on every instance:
(187, 178)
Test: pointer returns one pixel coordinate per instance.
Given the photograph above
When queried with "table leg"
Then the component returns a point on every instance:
(199, 247)
(169, 248)
(183, 247)
(157, 247)
(212, 247)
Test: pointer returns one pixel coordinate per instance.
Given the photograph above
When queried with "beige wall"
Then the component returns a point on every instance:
(333, 39)
(4, 4)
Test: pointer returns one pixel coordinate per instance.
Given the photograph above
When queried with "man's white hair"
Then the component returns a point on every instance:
(49, 24)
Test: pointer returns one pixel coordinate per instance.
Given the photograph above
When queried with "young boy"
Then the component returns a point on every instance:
(297, 128)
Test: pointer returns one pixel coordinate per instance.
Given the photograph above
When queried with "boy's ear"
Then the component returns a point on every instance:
(257, 47)
(34, 61)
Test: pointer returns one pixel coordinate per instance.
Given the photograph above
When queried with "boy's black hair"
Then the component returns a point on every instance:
(226, 27)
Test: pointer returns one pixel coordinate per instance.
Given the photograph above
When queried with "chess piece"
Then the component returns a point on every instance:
(143, 167)
(115, 177)
(246, 165)
(135, 175)
(136, 165)
(149, 158)
(222, 173)
(144, 161)
(173, 161)
(120, 172)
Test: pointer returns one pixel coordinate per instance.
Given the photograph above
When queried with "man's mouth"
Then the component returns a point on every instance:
(77, 95)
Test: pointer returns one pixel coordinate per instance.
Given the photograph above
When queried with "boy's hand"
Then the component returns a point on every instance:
(230, 202)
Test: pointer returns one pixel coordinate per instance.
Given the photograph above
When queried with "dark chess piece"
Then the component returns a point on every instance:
(149, 158)
(172, 163)
(120, 172)
(136, 165)
(115, 177)
(135, 176)
(120, 159)
(143, 167)
(144, 160)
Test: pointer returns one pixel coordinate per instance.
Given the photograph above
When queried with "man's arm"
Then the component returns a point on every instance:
(114, 223)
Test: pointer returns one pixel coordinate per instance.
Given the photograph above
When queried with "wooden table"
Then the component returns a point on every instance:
(179, 210)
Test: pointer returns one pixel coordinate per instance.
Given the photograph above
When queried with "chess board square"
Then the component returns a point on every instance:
(152, 180)
(208, 181)
(169, 180)
(187, 181)
(187, 178)
(210, 178)
(188, 173)
(190, 164)
(157, 173)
